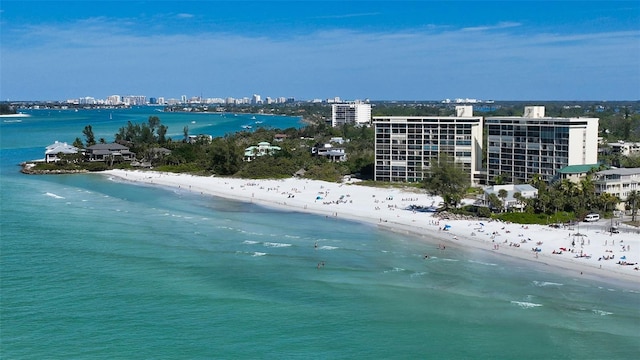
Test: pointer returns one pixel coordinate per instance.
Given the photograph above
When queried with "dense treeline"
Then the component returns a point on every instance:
(224, 155)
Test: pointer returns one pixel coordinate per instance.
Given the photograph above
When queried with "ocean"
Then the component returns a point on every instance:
(92, 268)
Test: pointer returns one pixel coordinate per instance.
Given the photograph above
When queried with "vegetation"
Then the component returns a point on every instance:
(448, 180)
(6, 109)
(558, 202)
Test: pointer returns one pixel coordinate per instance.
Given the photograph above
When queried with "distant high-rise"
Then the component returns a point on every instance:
(519, 147)
(350, 113)
(114, 100)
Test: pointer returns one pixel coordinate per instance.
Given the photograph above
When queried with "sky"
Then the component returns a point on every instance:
(377, 50)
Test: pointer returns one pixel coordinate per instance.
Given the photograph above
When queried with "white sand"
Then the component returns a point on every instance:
(388, 208)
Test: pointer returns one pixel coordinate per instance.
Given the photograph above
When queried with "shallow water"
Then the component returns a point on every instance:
(96, 268)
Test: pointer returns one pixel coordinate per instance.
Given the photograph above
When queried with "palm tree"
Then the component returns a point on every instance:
(502, 194)
(519, 200)
(632, 199)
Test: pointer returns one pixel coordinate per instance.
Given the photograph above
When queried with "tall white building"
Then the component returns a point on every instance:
(350, 113)
(114, 100)
(519, 147)
(405, 147)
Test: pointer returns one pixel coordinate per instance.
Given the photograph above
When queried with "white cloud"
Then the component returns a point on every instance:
(499, 26)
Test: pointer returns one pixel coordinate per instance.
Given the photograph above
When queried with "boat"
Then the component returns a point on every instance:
(246, 126)
(253, 118)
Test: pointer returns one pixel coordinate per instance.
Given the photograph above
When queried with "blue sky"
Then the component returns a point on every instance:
(380, 50)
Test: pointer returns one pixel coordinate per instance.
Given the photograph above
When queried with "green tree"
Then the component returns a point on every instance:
(162, 133)
(502, 194)
(494, 201)
(519, 199)
(78, 143)
(447, 179)
(633, 199)
(89, 137)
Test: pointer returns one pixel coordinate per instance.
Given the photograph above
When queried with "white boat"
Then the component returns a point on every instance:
(246, 126)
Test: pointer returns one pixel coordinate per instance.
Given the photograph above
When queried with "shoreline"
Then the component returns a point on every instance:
(389, 209)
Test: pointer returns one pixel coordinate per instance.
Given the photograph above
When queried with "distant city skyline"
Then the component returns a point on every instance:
(380, 50)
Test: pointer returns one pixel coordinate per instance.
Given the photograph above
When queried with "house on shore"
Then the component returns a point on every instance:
(577, 173)
(112, 152)
(510, 201)
(263, 148)
(333, 154)
(52, 152)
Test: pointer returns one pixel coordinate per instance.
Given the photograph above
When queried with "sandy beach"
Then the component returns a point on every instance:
(585, 250)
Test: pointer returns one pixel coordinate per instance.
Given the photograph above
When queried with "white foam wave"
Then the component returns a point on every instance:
(326, 247)
(418, 274)
(259, 254)
(482, 263)
(395, 269)
(546, 283)
(250, 242)
(272, 244)
(452, 260)
(525, 305)
(54, 195)
(601, 312)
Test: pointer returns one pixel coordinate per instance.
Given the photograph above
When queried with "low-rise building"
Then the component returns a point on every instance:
(510, 202)
(109, 152)
(52, 152)
(200, 138)
(263, 148)
(617, 182)
(575, 173)
(625, 148)
(334, 154)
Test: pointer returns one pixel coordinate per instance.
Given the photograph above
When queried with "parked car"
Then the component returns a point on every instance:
(592, 217)
(613, 230)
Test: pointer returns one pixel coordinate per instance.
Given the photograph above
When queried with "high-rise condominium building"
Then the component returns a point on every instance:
(519, 147)
(405, 147)
(350, 113)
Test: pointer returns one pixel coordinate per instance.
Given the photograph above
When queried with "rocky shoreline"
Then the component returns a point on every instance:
(28, 168)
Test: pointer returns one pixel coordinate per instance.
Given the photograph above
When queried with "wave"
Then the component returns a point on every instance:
(259, 254)
(54, 195)
(272, 244)
(545, 283)
(327, 247)
(482, 263)
(525, 305)
(395, 269)
(601, 312)
(250, 242)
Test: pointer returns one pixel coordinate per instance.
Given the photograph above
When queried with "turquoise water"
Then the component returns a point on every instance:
(95, 268)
